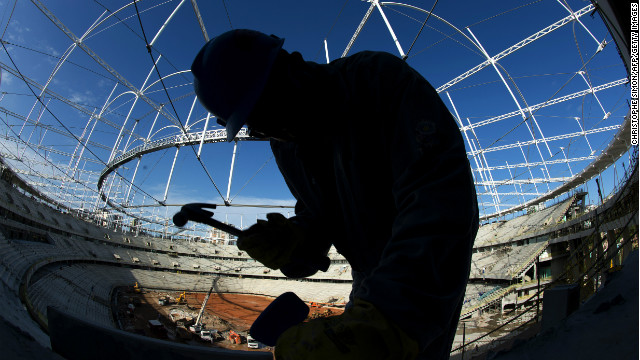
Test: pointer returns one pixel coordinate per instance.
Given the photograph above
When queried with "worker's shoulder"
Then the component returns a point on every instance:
(370, 57)
(376, 55)
(382, 65)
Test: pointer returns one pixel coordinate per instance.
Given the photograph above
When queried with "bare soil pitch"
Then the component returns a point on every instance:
(224, 312)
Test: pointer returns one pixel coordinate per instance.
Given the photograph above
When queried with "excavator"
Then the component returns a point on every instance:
(234, 337)
(317, 313)
(182, 299)
(314, 304)
(317, 305)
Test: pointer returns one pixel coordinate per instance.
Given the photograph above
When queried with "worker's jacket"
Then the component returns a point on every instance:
(383, 175)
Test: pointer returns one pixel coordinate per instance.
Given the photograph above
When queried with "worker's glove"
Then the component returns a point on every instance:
(272, 242)
(361, 332)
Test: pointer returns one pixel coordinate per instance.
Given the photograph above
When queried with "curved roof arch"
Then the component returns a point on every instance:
(542, 110)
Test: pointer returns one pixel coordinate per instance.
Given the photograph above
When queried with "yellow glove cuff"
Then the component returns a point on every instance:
(361, 332)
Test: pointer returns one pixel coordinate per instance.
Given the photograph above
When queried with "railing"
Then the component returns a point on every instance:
(533, 257)
(172, 140)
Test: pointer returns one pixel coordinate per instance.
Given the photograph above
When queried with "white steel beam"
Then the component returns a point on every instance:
(606, 114)
(555, 101)
(514, 185)
(496, 199)
(200, 22)
(528, 166)
(516, 194)
(469, 142)
(393, 34)
(582, 132)
(555, 26)
(543, 180)
(45, 149)
(602, 44)
(49, 128)
(553, 138)
(173, 166)
(52, 94)
(204, 131)
(99, 60)
(524, 116)
(233, 161)
(165, 24)
(536, 164)
(124, 124)
(358, 30)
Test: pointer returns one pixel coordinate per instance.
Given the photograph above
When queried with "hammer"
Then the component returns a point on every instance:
(196, 212)
(299, 268)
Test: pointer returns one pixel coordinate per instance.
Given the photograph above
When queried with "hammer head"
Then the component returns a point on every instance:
(195, 212)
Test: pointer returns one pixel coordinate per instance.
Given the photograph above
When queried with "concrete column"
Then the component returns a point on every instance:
(611, 248)
(597, 252)
(627, 237)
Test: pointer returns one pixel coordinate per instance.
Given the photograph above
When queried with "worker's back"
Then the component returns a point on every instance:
(382, 166)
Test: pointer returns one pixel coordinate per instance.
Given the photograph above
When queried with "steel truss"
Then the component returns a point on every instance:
(477, 153)
(105, 178)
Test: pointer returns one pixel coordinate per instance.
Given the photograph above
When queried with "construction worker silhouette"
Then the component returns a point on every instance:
(379, 170)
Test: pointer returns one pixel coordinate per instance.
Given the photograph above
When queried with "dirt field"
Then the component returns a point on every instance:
(238, 310)
(224, 312)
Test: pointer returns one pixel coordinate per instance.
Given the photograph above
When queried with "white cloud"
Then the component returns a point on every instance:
(51, 50)
(16, 31)
(85, 97)
(248, 200)
(6, 80)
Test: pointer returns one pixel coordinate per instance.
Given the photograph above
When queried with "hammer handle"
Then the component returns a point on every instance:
(222, 226)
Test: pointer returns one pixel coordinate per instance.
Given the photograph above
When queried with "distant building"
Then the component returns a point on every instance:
(220, 237)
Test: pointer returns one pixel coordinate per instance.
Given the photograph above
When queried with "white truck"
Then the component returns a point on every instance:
(206, 335)
(252, 343)
(196, 328)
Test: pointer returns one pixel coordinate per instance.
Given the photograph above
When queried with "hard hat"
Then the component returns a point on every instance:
(230, 73)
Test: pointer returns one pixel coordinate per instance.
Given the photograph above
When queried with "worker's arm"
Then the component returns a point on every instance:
(422, 274)
(297, 246)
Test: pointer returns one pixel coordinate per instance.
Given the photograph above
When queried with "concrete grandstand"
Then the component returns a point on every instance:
(51, 258)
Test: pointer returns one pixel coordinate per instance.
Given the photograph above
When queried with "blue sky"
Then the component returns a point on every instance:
(542, 71)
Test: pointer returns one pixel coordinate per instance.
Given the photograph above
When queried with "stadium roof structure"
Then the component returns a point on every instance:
(98, 111)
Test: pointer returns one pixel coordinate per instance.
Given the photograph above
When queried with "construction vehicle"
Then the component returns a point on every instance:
(234, 337)
(206, 335)
(182, 299)
(165, 300)
(197, 328)
(252, 343)
(314, 304)
(317, 314)
(211, 336)
(319, 305)
(184, 322)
